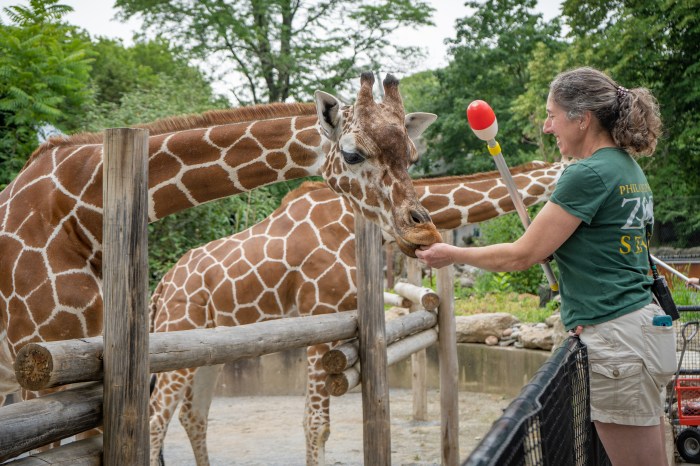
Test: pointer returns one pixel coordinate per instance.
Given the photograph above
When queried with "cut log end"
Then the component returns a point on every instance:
(337, 384)
(334, 362)
(430, 301)
(33, 367)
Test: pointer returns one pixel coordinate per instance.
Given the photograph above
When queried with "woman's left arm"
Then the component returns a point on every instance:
(550, 228)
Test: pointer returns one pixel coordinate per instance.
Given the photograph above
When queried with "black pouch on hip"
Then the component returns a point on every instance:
(659, 286)
(663, 296)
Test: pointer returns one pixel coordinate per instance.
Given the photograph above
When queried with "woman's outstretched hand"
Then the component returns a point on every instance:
(436, 255)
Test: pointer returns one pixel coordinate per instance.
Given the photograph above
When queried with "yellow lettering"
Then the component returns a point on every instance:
(633, 188)
(638, 242)
(624, 241)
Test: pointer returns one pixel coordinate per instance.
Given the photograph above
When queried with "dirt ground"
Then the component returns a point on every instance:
(267, 431)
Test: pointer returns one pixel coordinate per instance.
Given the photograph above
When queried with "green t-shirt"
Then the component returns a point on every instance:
(604, 265)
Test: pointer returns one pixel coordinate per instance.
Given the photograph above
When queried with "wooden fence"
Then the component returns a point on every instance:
(112, 371)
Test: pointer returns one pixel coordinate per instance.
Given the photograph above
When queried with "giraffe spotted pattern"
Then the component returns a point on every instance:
(298, 261)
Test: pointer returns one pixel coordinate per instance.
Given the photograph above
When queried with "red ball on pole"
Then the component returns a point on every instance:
(482, 120)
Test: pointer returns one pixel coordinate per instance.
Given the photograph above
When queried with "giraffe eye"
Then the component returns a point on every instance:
(352, 158)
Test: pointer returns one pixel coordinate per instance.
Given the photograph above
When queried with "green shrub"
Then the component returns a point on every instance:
(506, 229)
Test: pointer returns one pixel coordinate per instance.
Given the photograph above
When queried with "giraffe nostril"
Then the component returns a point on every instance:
(419, 216)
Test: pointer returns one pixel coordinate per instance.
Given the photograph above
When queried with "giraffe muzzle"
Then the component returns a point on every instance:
(417, 230)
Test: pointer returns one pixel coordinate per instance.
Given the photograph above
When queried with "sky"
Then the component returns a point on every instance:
(97, 17)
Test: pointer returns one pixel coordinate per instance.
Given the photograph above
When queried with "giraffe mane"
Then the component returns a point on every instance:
(184, 122)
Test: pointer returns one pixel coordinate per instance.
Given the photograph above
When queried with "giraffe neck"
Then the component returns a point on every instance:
(458, 201)
(51, 214)
(307, 245)
(191, 164)
(198, 166)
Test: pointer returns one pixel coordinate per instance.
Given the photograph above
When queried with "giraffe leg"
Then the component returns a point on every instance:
(194, 413)
(167, 394)
(8, 380)
(317, 424)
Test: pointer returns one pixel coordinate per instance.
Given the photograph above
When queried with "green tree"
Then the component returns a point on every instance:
(44, 65)
(118, 69)
(145, 82)
(653, 44)
(161, 86)
(285, 49)
(419, 90)
(506, 229)
(490, 58)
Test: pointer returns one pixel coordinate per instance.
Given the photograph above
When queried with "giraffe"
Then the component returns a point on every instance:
(298, 261)
(51, 213)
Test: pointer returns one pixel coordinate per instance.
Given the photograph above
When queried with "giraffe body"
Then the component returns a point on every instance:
(51, 214)
(298, 261)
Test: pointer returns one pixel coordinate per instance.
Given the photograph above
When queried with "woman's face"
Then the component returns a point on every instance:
(569, 133)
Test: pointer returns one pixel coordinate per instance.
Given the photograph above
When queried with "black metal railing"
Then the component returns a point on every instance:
(548, 423)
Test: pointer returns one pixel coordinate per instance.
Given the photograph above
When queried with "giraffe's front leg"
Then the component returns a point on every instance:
(317, 424)
(167, 394)
(194, 413)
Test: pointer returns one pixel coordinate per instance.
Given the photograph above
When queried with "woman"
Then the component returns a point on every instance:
(595, 225)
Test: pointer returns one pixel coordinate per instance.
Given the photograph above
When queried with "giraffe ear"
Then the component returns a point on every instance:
(328, 111)
(417, 122)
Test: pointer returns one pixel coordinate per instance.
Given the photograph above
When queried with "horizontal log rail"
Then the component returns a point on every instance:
(87, 452)
(426, 297)
(393, 299)
(340, 384)
(41, 421)
(346, 355)
(50, 364)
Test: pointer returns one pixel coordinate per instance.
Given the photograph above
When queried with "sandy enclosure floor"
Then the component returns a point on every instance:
(268, 430)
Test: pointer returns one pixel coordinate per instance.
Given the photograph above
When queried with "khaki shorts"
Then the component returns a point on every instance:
(630, 362)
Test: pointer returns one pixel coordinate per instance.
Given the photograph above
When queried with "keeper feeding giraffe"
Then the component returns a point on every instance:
(298, 261)
(51, 214)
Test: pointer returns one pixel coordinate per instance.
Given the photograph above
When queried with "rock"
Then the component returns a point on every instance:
(466, 281)
(559, 333)
(476, 328)
(491, 340)
(536, 337)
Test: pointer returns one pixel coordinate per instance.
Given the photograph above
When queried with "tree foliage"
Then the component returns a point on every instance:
(505, 54)
(145, 82)
(490, 61)
(275, 50)
(44, 65)
(149, 81)
(654, 44)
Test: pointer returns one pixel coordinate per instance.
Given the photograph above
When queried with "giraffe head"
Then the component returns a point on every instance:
(371, 150)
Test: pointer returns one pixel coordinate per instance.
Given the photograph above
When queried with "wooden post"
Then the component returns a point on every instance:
(373, 358)
(419, 360)
(447, 353)
(389, 249)
(125, 273)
